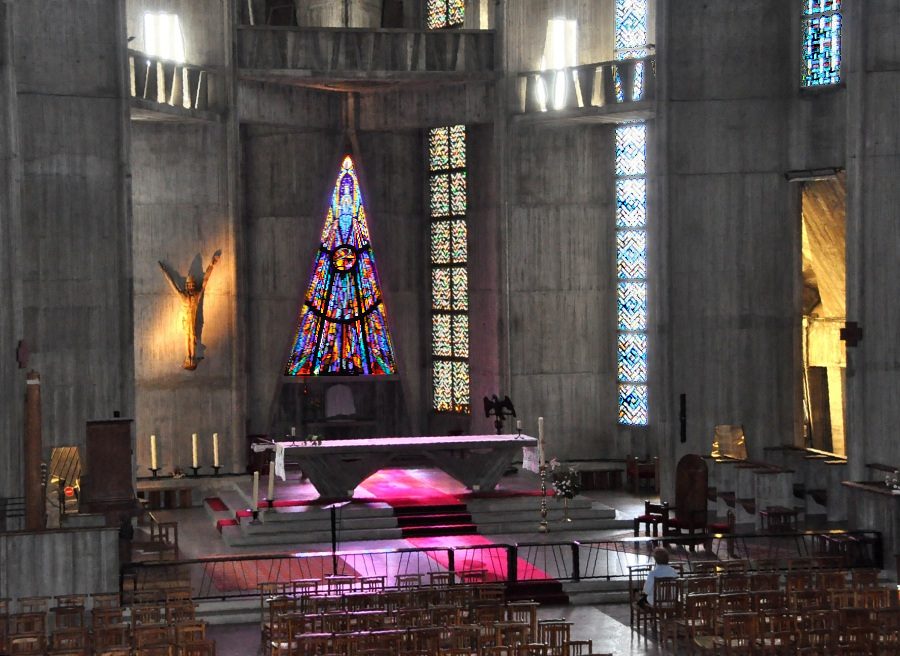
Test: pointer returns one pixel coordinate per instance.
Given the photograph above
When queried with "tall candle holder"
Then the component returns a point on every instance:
(154, 471)
(196, 469)
(255, 519)
(543, 527)
(216, 469)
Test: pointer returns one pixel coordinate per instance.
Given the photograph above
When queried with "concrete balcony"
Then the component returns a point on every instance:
(166, 90)
(605, 92)
(351, 58)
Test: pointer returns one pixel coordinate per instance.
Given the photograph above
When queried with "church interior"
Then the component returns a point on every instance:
(449, 327)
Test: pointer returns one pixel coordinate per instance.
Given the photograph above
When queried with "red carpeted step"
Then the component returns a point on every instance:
(215, 504)
(425, 509)
(434, 520)
(225, 522)
(439, 530)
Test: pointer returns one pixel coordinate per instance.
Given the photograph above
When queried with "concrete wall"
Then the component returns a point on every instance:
(65, 145)
(873, 272)
(50, 563)
(728, 224)
(202, 22)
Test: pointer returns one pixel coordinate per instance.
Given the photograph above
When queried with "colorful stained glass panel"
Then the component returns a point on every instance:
(458, 193)
(461, 386)
(631, 254)
(457, 146)
(438, 149)
(631, 202)
(632, 305)
(461, 335)
(440, 289)
(442, 383)
(633, 406)
(460, 246)
(440, 242)
(631, 149)
(441, 336)
(460, 288)
(821, 50)
(440, 195)
(811, 7)
(632, 357)
(342, 328)
(631, 24)
(456, 12)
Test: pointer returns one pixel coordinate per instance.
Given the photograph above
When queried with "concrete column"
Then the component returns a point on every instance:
(34, 501)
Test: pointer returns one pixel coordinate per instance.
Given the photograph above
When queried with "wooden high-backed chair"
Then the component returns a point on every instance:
(689, 515)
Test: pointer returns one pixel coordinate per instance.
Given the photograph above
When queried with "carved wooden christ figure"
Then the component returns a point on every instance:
(191, 294)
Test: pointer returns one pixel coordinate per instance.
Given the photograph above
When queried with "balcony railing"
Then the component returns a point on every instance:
(227, 577)
(604, 84)
(348, 53)
(160, 84)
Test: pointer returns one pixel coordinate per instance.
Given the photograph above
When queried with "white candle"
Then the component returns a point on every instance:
(215, 449)
(271, 494)
(256, 490)
(541, 440)
(194, 459)
(518, 424)
(293, 431)
(153, 452)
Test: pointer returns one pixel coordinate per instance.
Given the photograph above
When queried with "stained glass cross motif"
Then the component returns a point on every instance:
(342, 328)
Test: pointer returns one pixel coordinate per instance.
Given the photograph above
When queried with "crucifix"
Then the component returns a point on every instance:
(191, 294)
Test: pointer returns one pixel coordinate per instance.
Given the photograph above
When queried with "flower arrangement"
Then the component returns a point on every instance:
(565, 479)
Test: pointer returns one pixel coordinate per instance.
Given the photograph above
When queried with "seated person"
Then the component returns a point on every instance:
(662, 571)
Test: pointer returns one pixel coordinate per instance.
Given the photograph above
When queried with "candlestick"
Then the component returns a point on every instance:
(541, 440)
(195, 461)
(256, 490)
(153, 463)
(215, 451)
(543, 527)
(271, 494)
(293, 431)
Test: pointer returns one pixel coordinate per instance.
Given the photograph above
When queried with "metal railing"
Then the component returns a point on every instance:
(229, 577)
(353, 52)
(164, 82)
(590, 85)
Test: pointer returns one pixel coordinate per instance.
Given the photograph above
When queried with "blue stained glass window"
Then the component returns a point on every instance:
(632, 305)
(631, 254)
(633, 404)
(821, 43)
(631, 27)
(631, 149)
(632, 357)
(631, 202)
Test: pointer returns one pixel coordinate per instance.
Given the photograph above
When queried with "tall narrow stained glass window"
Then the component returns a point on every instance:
(631, 37)
(342, 329)
(445, 13)
(449, 274)
(821, 43)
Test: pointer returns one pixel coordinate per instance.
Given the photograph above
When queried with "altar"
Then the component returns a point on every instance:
(336, 467)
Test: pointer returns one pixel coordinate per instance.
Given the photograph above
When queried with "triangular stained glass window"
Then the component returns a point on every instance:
(343, 328)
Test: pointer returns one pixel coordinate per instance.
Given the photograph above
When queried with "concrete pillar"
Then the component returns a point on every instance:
(34, 501)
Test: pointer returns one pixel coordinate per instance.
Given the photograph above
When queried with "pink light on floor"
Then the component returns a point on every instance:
(483, 554)
(403, 487)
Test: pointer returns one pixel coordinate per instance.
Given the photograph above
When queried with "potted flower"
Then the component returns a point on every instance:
(566, 483)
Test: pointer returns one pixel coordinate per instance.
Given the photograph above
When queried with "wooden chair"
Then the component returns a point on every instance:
(696, 584)
(26, 623)
(147, 614)
(67, 617)
(27, 644)
(739, 633)
(735, 602)
(578, 648)
(637, 577)
(524, 611)
(105, 600)
(666, 607)
(180, 611)
(106, 616)
(777, 633)
(864, 577)
(33, 604)
(69, 639)
(440, 579)
(111, 636)
(764, 581)
(555, 634)
(409, 581)
(654, 516)
(471, 576)
(193, 631)
(150, 634)
(511, 633)
(155, 650)
(199, 648)
(769, 600)
(372, 583)
(337, 584)
(700, 610)
(637, 472)
(734, 582)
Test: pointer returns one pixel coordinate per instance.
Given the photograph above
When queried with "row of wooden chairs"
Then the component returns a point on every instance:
(44, 604)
